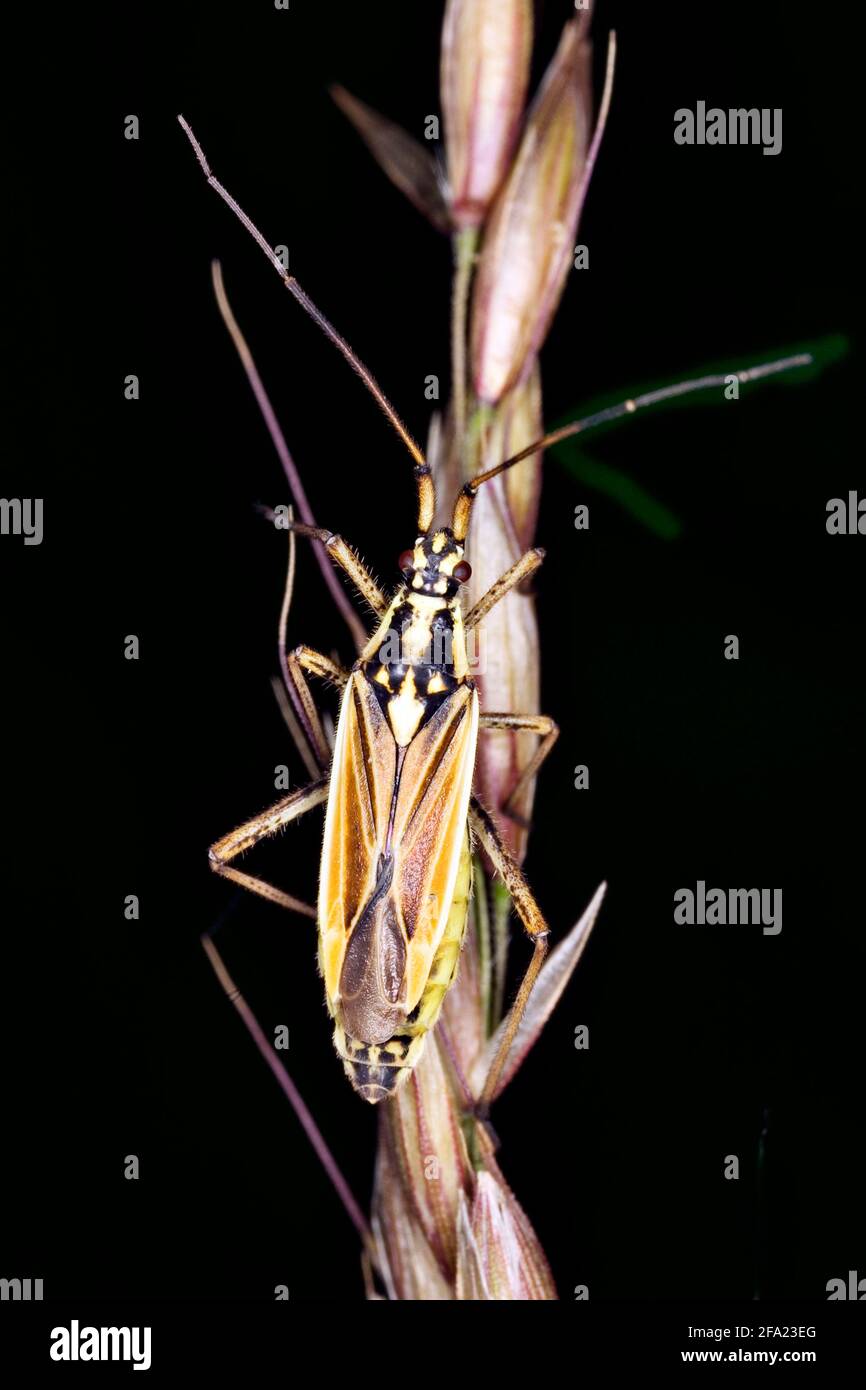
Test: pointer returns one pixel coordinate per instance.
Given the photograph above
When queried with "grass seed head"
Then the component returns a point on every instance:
(486, 49)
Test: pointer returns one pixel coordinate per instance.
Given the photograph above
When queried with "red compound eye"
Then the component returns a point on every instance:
(462, 571)
(406, 561)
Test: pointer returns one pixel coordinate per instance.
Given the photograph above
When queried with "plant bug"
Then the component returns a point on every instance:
(395, 871)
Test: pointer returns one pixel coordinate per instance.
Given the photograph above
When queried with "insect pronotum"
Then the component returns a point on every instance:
(395, 872)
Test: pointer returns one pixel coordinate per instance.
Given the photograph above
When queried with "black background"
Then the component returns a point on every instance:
(117, 775)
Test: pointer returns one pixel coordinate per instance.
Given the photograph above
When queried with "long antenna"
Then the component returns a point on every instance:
(426, 500)
(338, 593)
(463, 506)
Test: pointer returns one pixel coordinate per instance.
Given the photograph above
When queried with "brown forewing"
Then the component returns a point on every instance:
(381, 917)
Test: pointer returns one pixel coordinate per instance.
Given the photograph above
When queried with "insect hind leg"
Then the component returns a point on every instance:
(548, 732)
(536, 929)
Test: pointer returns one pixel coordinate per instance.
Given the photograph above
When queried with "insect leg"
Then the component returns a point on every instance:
(320, 665)
(303, 721)
(535, 927)
(296, 662)
(541, 724)
(343, 554)
(260, 827)
(519, 571)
